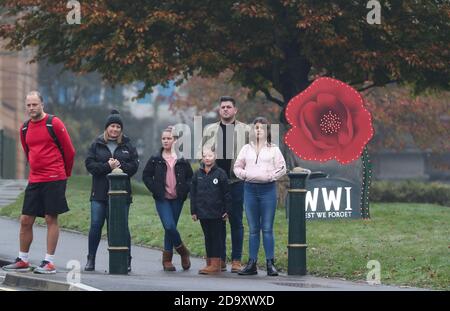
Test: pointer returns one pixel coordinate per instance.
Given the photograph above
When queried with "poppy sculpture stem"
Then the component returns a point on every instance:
(367, 177)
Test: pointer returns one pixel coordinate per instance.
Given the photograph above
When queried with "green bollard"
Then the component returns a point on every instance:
(117, 227)
(297, 223)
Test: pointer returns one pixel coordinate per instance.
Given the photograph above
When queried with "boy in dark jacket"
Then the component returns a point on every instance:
(211, 203)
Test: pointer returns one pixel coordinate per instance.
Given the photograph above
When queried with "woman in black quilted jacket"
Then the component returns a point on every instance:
(112, 149)
(168, 178)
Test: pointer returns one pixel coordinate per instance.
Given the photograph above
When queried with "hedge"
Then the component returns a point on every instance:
(410, 192)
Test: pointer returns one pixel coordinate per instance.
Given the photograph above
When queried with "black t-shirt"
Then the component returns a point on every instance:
(224, 163)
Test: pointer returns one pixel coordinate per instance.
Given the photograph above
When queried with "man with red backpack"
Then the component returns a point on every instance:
(50, 154)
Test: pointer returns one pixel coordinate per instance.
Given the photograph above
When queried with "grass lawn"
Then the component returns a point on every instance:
(411, 241)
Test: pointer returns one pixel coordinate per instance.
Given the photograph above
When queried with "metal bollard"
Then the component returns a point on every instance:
(117, 227)
(297, 223)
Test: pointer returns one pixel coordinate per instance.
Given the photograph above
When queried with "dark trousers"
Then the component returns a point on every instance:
(235, 217)
(213, 232)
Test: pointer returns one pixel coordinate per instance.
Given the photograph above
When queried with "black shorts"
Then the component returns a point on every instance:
(45, 198)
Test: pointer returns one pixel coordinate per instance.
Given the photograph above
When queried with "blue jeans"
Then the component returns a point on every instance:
(100, 213)
(169, 212)
(235, 217)
(260, 204)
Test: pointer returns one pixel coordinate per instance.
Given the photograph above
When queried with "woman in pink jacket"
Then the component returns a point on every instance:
(260, 164)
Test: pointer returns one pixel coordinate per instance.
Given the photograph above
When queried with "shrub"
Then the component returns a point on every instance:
(410, 192)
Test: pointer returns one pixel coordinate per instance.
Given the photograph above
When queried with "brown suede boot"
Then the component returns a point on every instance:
(236, 266)
(184, 253)
(213, 268)
(167, 261)
(223, 265)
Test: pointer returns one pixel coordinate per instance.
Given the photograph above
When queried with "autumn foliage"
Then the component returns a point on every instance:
(268, 45)
(406, 121)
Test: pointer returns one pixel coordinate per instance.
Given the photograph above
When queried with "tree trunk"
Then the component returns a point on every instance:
(294, 81)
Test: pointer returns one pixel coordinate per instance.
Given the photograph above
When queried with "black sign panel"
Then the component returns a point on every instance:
(332, 198)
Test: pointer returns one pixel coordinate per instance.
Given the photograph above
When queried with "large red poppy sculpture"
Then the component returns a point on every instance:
(329, 121)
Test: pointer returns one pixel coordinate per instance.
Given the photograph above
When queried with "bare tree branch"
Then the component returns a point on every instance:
(356, 83)
(374, 84)
(361, 89)
(269, 96)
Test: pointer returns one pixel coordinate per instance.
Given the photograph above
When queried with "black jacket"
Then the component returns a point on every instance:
(97, 164)
(154, 177)
(210, 194)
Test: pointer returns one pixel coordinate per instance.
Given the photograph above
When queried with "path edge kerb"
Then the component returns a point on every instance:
(20, 280)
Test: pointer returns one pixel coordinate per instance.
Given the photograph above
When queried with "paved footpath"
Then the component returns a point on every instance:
(147, 271)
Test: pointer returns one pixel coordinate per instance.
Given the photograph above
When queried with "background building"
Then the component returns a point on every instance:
(17, 78)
